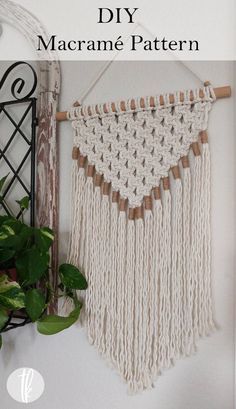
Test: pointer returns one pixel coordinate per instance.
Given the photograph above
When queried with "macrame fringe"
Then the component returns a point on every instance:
(176, 272)
(196, 243)
(148, 295)
(95, 286)
(148, 268)
(66, 304)
(155, 286)
(77, 194)
(138, 350)
(164, 314)
(104, 272)
(187, 341)
(121, 290)
(74, 184)
(206, 299)
(130, 301)
(112, 335)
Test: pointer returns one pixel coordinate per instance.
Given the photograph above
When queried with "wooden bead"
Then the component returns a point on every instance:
(148, 202)
(157, 192)
(196, 149)
(131, 213)
(90, 170)
(75, 153)
(203, 136)
(166, 183)
(98, 180)
(122, 205)
(176, 172)
(138, 212)
(106, 188)
(185, 162)
(81, 161)
(115, 197)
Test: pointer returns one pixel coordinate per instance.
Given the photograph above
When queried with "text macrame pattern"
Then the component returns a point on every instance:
(140, 235)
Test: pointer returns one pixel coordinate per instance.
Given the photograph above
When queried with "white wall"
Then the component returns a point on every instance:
(75, 375)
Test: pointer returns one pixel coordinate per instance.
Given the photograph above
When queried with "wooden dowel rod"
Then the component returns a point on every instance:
(220, 92)
(61, 116)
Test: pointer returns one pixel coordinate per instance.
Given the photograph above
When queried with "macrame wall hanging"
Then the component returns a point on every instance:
(141, 228)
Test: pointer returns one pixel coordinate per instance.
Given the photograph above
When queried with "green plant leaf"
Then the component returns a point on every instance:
(15, 235)
(34, 303)
(15, 224)
(52, 324)
(0, 341)
(23, 203)
(9, 233)
(6, 283)
(25, 238)
(9, 242)
(31, 265)
(72, 278)
(43, 238)
(6, 254)
(6, 231)
(3, 318)
(13, 299)
(3, 180)
(4, 219)
(11, 294)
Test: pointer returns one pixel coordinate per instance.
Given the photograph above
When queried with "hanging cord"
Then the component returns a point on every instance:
(176, 59)
(106, 66)
(100, 73)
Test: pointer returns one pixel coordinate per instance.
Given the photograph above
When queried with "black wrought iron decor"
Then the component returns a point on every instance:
(28, 103)
(17, 88)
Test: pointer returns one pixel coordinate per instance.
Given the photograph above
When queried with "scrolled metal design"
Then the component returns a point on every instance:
(18, 85)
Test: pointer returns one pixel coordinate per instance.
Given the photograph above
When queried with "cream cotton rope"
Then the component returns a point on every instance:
(141, 229)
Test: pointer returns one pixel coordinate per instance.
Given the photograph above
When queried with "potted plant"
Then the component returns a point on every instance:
(25, 291)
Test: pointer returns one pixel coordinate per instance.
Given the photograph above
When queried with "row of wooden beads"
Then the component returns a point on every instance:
(136, 213)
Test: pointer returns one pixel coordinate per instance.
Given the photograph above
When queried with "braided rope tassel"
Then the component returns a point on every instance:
(176, 267)
(209, 324)
(74, 175)
(77, 222)
(121, 281)
(148, 287)
(154, 317)
(111, 333)
(165, 272)
(138, 327)
(201, 273)
(66, 304)
(196, 238)
(104, 266)
(80, 193)
(187, 344)
(96, 286)
(130, 300)
(87, 234)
